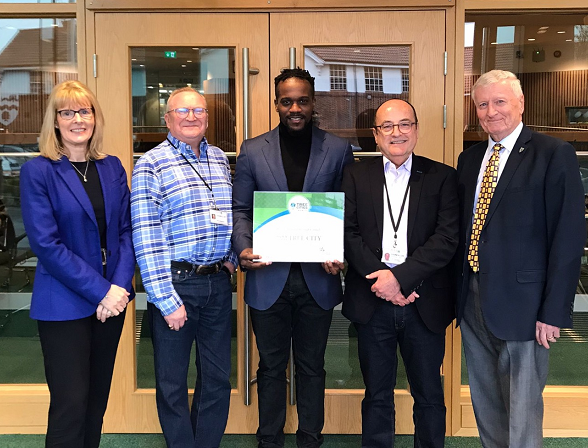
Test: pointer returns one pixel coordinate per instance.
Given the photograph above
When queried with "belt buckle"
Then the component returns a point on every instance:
(103, 251)
(207, 269)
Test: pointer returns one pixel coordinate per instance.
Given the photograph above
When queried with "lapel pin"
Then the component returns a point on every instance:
(521, 149)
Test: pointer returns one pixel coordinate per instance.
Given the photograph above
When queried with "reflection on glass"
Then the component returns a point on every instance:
(549, 54)
(35, 54)
(351, 83)
(157, 71)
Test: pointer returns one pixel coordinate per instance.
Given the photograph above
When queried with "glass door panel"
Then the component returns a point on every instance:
(155, 73)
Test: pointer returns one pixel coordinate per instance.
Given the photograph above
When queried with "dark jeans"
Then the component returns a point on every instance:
(207, 299)
(422, 352)
(296, 318)
(79, 359)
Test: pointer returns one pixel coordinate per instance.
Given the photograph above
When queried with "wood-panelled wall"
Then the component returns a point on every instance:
(547, 95)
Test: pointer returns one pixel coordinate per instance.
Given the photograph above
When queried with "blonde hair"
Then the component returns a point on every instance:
(63, 95)
(496, 76)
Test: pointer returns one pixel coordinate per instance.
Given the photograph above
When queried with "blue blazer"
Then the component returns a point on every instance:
(533, 238)
(260, 168)
(63, 233)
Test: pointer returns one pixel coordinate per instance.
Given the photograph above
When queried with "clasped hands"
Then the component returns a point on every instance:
(251, 261)
(113, 303)
(387, 287)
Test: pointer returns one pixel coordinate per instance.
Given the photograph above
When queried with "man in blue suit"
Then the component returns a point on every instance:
(522, 233)
(290, 302)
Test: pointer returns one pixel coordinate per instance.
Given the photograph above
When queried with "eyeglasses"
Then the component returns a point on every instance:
(182, 112)
(68, 114)
(388, 128)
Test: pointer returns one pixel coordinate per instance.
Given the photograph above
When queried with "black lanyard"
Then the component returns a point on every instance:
(196, 171)
(396, 225)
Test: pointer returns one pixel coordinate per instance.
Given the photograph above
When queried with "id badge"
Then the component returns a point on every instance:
(219, 217)
(393, 255)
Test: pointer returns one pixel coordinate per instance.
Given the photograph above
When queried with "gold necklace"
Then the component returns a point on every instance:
(85, 171)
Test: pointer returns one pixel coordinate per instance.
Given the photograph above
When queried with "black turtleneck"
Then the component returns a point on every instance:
(295, 149)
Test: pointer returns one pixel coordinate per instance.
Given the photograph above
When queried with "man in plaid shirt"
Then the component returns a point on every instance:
(182, 225)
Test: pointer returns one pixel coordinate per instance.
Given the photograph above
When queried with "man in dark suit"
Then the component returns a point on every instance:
(522, 234)
(401, 232)
(290, 302)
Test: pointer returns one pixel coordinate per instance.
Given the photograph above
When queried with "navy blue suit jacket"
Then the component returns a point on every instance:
(532, 240)
(260, 168)
(63, 233)
(432, 233)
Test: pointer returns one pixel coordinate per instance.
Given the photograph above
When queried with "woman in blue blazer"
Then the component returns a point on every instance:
(75, 206)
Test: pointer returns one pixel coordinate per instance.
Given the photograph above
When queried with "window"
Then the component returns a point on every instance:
(373, 79)
(405, 80)
(338, 77)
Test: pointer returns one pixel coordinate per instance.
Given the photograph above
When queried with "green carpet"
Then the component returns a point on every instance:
(248, 441)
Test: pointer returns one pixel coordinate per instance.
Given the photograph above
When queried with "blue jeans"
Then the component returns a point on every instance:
(422, 352)
(207, 299)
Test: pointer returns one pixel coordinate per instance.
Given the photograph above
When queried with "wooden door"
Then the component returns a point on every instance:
(140, 59)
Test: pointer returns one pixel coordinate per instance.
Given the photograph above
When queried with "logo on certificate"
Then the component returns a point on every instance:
(298, 204)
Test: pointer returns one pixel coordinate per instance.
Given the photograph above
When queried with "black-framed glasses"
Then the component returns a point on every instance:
(388, 128)
(85, 113)
(183, 112)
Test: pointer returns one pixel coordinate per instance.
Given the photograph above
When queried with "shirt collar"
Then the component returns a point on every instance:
(389, 167)
(186, 149)
(509, 141)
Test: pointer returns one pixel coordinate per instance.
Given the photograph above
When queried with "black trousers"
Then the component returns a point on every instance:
(295, 318)
(79, 359)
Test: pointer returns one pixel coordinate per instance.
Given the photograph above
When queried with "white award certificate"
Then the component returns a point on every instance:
(298, 227)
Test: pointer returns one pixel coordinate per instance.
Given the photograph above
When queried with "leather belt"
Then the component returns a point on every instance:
(200, 269)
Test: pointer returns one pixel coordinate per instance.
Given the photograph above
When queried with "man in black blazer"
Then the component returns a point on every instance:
(517, 289)
(401, 230)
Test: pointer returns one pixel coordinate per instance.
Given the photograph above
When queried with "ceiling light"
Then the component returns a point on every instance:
(543, 27)
(531, 40)
(134, 59)
(188, 61)
(561, 32)
(183, 65)
(541, 31)
(568, 40)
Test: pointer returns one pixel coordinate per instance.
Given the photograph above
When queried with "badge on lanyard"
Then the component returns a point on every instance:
(393, 255)
(219, 216)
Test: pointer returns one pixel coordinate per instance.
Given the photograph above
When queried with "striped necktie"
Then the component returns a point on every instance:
(487, 188)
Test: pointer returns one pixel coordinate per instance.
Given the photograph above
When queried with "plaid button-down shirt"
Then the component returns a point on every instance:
(170, 214)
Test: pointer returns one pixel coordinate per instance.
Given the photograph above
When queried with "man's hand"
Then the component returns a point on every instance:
(386, 286)
(229, 266)
(116, 300)
(247, 257)
(545, 333)
(333, 267)
(400, 300)
(177, 319)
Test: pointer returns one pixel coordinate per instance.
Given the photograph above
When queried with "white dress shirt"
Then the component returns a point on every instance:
(508, 142)
(397, 182)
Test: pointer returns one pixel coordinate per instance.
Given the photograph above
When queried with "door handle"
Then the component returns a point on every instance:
(292, 63)
(247, 71)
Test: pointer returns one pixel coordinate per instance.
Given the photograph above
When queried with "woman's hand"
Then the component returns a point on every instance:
(102, 313)
(115, 300)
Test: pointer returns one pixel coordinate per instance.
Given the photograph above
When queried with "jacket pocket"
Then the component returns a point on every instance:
(535, 276)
